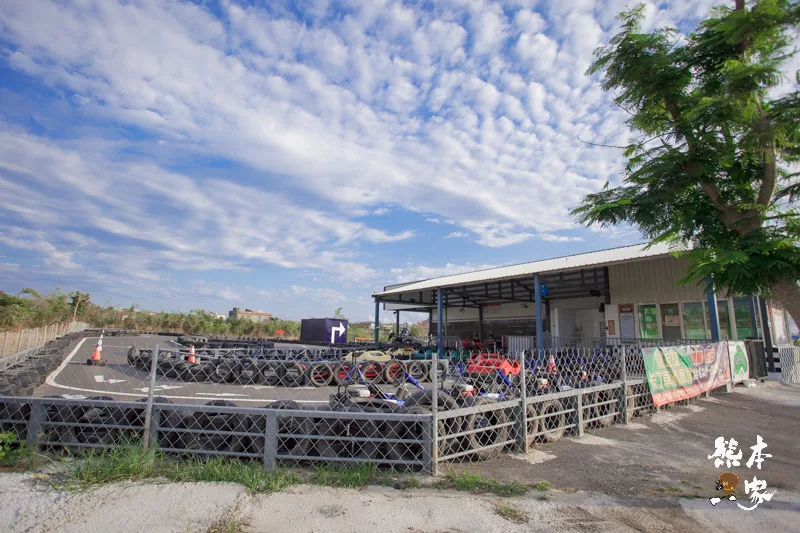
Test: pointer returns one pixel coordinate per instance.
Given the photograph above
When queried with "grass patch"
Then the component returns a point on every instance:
(511, 513)
(228, 525)
(542, 486)
(471, 482)
(351, 476)
(134, 463)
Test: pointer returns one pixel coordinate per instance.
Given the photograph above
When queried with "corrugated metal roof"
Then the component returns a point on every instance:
(558, 264)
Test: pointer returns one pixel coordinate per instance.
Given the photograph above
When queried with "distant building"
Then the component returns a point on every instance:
(249, 314)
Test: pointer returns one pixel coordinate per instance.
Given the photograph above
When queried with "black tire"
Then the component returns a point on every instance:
(604, 413)
(270, 373)
(291, 426)
(341, 373)
(394, 372)
(100, 416)
(294, 375)
(412, 431)
(320, 374)
(552, 425)
(343, 426)
(489, 435)
(249, 372)
(418, 370)
(224, 371)
(372, 370)
(440, 368)
(213, 424)
(133, 355)
(445, 427)
(631, 402)
(531, 422)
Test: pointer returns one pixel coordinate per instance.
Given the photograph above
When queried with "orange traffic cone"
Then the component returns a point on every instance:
(97, 356)
(551, 365)
(192, 359)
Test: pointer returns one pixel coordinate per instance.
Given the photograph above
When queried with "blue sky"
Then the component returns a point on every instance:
(293, 157)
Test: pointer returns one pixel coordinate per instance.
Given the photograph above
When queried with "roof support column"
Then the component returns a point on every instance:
(439, 321)
(538, 305)
(480, 322)
(377, 318)
(397, 323)
(713, 312)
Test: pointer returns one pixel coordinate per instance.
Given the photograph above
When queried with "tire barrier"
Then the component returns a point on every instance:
(24, 377)
(250, 370)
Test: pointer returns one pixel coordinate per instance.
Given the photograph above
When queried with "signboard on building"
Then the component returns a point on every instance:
(612, 330)
(681, 372)
(627, 328)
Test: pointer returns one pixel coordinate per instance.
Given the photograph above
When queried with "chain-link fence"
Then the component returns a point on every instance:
(398, 408)
(790, 364)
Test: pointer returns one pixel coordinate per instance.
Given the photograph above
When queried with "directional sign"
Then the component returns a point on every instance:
(338, 331)
(160, 388)
(102, 379)
(543, 289)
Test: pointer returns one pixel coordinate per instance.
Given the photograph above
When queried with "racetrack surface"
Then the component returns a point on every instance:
(121, 381)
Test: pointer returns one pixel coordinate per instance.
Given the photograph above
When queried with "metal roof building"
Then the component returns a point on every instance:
(632, 292)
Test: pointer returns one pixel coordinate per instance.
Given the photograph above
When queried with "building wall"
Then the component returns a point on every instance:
(654, 280)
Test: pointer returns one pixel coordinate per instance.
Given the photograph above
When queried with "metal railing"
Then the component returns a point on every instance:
(476, 406)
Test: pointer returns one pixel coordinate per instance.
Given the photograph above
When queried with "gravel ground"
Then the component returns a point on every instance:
(28, 505)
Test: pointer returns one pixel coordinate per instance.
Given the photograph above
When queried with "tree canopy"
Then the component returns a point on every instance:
(713, 166)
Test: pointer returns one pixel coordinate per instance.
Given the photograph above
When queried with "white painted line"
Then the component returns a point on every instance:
(102, 379)
(51, 379)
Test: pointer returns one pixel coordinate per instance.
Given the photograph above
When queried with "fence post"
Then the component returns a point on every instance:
(38, 414)
(579, 411)
(148, 414)
(522, 440)
(271, 440)
(152, 428)
(5, 340)
(434, 469)
(626, 416)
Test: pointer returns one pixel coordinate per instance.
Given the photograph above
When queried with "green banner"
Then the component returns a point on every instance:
(679, 372)
(668, 369)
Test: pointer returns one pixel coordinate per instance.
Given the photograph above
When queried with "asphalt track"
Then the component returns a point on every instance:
(123, 382)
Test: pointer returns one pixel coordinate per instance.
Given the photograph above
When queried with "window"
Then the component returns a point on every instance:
(694, 321)
(671, 322)
(746, 323)
(648, 322)
(724, 320)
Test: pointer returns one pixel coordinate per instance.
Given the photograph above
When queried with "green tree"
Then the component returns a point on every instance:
(711, 164)
(338, 314)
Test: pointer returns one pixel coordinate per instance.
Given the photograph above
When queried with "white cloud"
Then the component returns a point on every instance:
(558, 238)
(456, 235)
(420, 272)
(380, 211)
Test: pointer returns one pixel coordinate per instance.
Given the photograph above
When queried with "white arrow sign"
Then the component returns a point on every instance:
(340, 329)
(102, 379)
(220, 394)
(159, 388)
